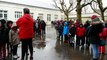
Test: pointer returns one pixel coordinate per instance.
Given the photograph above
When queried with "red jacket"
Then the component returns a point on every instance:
(80, 31)
(103, 34)
(25, 24)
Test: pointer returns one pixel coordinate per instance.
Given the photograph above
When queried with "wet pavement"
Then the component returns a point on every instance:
(49, 48)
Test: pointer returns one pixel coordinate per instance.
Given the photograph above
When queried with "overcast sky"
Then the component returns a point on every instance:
(51, 1)
(47, 1)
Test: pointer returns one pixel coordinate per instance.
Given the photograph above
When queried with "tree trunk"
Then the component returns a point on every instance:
(67, 16)
(102, 16)
(79, 16)
(78, 12)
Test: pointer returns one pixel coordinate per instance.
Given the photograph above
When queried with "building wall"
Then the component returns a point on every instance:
(11, 8)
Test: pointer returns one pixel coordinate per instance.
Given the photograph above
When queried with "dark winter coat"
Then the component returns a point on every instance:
(93, 33)
(60, 30)
(43, 25)
(3, 33)
(72, 31)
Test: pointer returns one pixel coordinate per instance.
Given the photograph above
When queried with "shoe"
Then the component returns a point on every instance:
(15, 56)
(31, 58)
(65, 41)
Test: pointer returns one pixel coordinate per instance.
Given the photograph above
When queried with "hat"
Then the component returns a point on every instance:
(95, 18)
(65, 23)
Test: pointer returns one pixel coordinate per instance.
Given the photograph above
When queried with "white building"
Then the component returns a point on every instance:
(13, 10)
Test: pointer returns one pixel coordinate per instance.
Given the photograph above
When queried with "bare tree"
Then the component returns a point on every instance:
(81, 4)
(65, 7)
(97, 7)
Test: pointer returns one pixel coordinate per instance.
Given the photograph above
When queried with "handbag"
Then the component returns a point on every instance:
(102, 42)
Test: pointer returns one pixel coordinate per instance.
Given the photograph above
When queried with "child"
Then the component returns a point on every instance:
(65, 32)
(103, 35)
(14, 40)
(2, 39)
(8, 27)
(80, 34)
(72, 31)
(60, 30)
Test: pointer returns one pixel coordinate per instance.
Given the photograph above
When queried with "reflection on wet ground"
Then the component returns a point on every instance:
(49, 48)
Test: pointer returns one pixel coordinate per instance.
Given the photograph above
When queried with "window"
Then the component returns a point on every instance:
(3, 14)
(32, 14)
(18, 14)
(48, 17)
(62, 17)
(56, 17)
(40, 15)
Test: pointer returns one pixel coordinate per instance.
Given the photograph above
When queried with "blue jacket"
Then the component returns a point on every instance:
(65, 30)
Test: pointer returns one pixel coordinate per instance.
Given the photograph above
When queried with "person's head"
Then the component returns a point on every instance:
(73, 25)
(26, 11)
(65, 23)
(95, 18)
(81, 25)
(9, 24)
(3, 22)
(14, 27)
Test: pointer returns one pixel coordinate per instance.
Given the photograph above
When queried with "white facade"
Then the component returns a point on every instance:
(15, 10)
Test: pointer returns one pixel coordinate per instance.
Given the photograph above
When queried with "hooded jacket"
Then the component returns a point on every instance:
(26, 26)
(80, 31)
(13, 36)
(2, 32)
(94, 30)
(65, 29)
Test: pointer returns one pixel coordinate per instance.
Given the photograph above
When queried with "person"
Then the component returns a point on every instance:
(103, 36)
(43, 26)
(14, 40)
(93, 35)
(8, 27)
(72, 32)
(60, 31)
(26, 33)
(2, 39)
(65, 32)
(87, 25)
(80, 34)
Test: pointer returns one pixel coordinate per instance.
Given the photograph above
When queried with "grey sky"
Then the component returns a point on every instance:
(51, 1)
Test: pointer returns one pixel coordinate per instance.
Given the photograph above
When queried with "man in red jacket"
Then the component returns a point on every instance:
(26, 33)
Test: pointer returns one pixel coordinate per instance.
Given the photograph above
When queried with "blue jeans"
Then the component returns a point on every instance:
(95, 51)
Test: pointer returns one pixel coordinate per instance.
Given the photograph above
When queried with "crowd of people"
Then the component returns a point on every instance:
(92, 33)
(22, 31)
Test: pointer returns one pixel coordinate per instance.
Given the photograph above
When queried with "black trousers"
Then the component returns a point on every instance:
(66, 37)
(78, 39)
(15, 49)
(27, 44)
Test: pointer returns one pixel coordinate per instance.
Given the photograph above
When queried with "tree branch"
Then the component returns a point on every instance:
(83, 5)
(95, 10)
(57, 5)
(105, 9)
(71, 9)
